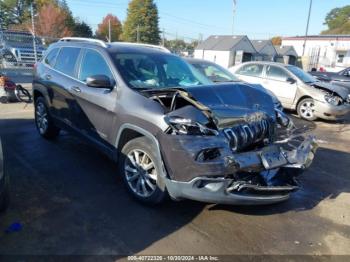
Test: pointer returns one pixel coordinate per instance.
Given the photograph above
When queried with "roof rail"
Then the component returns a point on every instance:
(82, 39)
(161, 48)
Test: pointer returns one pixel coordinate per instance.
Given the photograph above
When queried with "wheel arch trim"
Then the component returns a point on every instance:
(154, 141)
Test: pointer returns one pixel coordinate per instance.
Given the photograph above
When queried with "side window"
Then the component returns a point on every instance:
(50, 59)
(346, 72)
(93, 64)
(276, 73)
(66, 60)
(251, 70)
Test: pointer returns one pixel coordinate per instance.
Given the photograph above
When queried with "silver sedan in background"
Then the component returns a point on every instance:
(218, 74)
(297, 90)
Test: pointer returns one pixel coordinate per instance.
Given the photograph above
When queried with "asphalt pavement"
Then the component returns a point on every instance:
(70, 200)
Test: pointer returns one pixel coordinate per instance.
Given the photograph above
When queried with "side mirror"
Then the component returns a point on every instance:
(99, 81)
(291, 80)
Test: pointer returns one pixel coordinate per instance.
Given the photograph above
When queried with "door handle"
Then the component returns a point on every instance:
(76, 89)
(48, 77)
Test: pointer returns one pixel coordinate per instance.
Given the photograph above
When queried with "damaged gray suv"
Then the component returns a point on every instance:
(173, 132)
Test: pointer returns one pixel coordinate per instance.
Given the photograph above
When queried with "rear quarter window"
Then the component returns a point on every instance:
(67, 59)
(50, 59)
(251, 70)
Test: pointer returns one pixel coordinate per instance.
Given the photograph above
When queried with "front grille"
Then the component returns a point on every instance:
(27, 56)
(244, 135)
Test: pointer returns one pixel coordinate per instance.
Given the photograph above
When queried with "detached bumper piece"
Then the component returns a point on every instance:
(257, 178)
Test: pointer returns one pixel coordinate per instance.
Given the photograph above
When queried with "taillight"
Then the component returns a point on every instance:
(35, 65)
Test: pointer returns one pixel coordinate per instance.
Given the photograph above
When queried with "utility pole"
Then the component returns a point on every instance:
(33, 32)
(163, 38)
(109, 31)
(233, 16)
(307, 27)
(138, 34)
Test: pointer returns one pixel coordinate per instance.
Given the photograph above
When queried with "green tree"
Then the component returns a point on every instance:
(82, 29)
(70, 22)
(338, 21)
(102, 31)
(14, 12)
(142, 21)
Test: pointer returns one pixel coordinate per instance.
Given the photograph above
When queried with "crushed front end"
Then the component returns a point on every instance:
(241, 153)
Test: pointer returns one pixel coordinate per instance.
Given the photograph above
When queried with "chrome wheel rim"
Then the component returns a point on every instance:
(140, 173)
(307, 109)
(41, 118)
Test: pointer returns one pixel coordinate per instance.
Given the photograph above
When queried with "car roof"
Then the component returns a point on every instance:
(113, 47)
(266, 63)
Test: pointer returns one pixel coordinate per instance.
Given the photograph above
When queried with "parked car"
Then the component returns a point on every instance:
(297, 90)
(218, 74)
(4, 183)
(341, 78)
(17, 49)
(171, 131)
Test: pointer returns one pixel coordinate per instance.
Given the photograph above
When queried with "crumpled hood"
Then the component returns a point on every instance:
(230, 103)
(341, 91)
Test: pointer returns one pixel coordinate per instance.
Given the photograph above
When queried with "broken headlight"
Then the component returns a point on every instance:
(333, 100)
(185, 126)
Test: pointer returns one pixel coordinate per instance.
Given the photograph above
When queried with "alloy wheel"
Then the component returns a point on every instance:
(140, 173)
(41, 118)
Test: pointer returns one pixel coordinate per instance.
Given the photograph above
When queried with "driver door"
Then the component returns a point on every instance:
(276, 80)
(95, 110)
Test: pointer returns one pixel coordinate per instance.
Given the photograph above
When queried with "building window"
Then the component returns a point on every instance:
(340, 57)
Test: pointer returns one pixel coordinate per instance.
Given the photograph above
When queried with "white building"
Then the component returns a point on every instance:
(329, 51)
(225, 50)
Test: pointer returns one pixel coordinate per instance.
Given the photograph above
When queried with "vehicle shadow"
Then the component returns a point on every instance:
(344, 120)
(71, 200)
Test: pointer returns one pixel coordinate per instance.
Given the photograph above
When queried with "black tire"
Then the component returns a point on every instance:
(49, 131)
(4, 184)
(22, 94)
(143, 145)
(303, 112)
(4, 194)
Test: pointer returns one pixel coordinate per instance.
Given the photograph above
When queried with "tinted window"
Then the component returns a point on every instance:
(93, 64)
(50, 59)
(251, 70)
(67, 59)
(277, 73)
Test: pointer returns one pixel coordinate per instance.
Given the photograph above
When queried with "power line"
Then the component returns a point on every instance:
(191, 21)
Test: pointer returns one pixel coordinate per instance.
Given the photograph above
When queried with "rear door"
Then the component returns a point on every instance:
(59, 76)
(251, 73)
(95, 110)
(276, 82)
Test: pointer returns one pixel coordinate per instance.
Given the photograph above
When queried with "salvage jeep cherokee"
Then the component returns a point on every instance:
(172, 131)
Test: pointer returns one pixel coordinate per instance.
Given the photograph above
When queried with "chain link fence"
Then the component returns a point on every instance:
(20, 50)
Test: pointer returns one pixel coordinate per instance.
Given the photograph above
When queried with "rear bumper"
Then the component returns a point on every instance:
(226, 189)
(327, 111)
